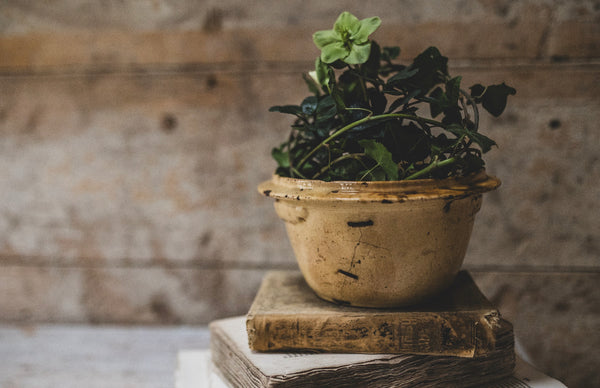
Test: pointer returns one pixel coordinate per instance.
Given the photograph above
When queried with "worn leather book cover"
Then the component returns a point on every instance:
(287, 316)
(240, 367)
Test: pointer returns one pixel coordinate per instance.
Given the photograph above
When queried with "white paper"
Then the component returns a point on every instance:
(195, 370)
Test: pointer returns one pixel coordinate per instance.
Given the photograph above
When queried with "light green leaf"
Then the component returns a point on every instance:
(281, 157)
(334, 51)
(346, 22)
(324, 38)
(322, 72)
(367, 27)
(358, 54)
(382, 156)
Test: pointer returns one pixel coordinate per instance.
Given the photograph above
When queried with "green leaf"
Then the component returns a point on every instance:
(358, 54)
(477, 91)
(325, 38)
(484, 142)
(346, 22)
(322, 71)
(438, 101)
(309, 105)
(366, 28)
(390, 53)
(402, 75)
(281, 157)
(453, 90)
(382, 156)
(401, 101)
(433, 69)
(334, 51)
(371, 67)
(326, 108)
(377, 100)
(289, 109)
(495, 97)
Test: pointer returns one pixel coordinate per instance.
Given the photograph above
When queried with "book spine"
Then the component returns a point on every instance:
(462, 335)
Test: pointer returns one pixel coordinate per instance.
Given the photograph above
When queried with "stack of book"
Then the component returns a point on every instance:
(291, 338)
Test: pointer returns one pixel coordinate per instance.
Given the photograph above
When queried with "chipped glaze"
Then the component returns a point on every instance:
(379, 244)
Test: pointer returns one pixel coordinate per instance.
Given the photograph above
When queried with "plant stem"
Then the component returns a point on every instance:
(343, 157)
(362, 121)
(432, 166)
(369, 172)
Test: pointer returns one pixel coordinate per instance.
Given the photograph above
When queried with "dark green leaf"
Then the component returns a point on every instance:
(390, 53)
(309, 105)
(453, 90)
(477, 91)
(371, 67)
(438, 101)
(403, 74)
(433, 69)
(407, 143)
(484, 142)
(326, 109)
(290, 109)
(452, 115)
(495, 97)
(402, 101)
(377, 100)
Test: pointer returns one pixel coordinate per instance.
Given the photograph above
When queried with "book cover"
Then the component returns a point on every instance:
(286, 315)
(241, 367)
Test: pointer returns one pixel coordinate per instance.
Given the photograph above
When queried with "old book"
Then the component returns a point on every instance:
(241, 367)
(195, 369)
(287, 316)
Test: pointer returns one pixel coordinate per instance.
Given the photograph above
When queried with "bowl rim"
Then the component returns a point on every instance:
(293, 189)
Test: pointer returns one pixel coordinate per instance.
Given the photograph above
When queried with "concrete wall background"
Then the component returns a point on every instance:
(133, 135)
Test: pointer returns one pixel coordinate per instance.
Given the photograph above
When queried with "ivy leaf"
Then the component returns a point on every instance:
(326, 109)
(382, 156)
(289, 109)
(453, 90)
(371, 67)
(323, 75)
(438, 102)
(483, 141)
(433, 69)
(477, 91)
(402, 75)
(281, 157)
(493, 98)
(401, 101)
(390, 53)
(309, 105)
(377, 100)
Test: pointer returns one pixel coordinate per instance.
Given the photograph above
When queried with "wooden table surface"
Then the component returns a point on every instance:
(93, 356)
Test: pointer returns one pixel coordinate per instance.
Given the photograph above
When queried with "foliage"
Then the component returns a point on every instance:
(369, 118)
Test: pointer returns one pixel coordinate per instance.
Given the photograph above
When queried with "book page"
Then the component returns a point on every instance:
(194, 369)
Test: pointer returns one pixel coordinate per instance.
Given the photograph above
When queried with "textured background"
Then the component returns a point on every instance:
(133, 135)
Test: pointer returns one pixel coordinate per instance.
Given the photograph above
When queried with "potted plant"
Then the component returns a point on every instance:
(382, 173)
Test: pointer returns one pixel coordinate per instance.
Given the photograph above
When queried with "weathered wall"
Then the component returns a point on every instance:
(133, 135)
